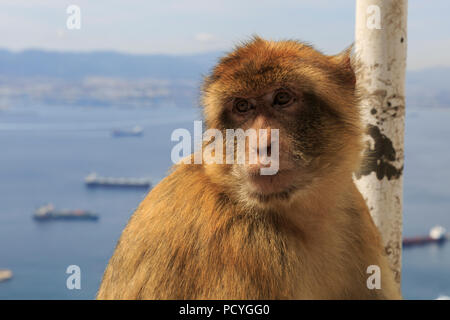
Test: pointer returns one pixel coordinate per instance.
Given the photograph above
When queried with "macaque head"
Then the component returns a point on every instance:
(302, 106)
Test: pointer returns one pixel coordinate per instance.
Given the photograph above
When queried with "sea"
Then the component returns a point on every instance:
(47, 151)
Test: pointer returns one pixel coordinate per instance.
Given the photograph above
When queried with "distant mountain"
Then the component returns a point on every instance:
(31, 63)
(107, 77)
(436, 77)
(428, 88)
(101, 78)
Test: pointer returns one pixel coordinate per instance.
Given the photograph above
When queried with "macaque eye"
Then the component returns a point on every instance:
(282, 98)
(241, 105)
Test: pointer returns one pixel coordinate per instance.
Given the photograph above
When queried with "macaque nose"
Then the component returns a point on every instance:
(262, 151)
(263, 130)
(264, 142)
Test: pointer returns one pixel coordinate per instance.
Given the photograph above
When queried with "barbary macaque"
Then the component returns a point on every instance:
(226, 231)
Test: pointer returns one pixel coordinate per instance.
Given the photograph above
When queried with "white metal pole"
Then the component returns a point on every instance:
(380, 51)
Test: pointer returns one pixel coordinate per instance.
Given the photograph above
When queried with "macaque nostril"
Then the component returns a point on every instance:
(264, 149)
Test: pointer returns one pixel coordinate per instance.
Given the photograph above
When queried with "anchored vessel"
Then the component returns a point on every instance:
(48, 212)
(93, 180)
(134, 132)
(5, 274)
(437, 234)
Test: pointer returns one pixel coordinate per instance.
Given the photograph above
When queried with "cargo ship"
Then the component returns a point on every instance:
(437, 234)
(5, 274)
(93, 180)
(48, 212)
(137, 131)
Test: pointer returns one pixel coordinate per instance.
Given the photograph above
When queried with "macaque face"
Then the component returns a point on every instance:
(298, 121)
(267, 87)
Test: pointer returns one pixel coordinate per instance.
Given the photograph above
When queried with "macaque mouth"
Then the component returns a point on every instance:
(281, 195)
(268, 187)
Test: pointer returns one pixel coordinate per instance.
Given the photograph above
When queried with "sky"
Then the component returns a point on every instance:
(194, 26)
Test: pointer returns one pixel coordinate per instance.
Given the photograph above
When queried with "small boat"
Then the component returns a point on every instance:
(5, 274)
(133, 132)
(437, 234)
(93, 180)
(48, 212)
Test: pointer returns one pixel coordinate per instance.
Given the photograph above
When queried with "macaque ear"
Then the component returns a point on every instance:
(344, 63)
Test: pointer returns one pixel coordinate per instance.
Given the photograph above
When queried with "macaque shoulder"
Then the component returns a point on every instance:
(180, 204)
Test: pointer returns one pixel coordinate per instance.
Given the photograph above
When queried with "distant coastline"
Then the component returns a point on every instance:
(76, 78)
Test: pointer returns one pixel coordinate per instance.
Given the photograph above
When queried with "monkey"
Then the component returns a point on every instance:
(225, 231)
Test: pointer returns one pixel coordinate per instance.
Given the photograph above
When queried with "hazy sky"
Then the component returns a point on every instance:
(190, 26)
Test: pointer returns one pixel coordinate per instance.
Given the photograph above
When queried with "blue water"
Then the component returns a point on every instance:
(46, 151)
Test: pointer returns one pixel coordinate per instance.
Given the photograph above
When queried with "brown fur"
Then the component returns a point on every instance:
(200, 235)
